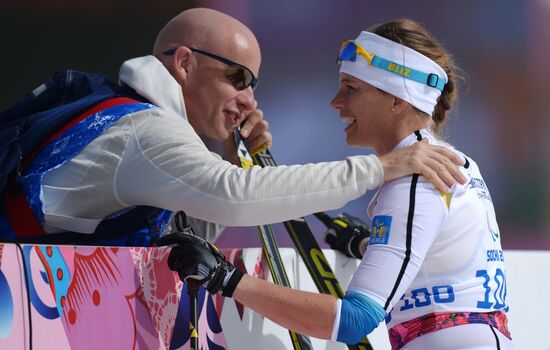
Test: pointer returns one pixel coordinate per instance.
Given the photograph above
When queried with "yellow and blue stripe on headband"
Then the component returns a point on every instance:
(350, 49)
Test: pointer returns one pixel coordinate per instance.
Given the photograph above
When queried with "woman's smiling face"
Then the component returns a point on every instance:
(366, 110)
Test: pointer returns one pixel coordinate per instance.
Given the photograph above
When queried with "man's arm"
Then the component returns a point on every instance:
(437, 164)
(164, 164)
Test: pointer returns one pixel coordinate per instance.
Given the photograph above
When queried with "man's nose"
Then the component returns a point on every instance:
(246, 100)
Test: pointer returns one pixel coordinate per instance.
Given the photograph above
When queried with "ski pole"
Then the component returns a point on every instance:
(270, 246)
(192, 291)
(307, 246)
(180, 221)
(325, 219)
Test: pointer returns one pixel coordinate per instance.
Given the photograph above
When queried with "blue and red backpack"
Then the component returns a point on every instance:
(55, 108)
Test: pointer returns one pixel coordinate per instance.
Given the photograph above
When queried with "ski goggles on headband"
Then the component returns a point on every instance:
(350, 49)
(238, 75)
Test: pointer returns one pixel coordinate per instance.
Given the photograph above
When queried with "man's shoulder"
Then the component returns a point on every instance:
(157, 125)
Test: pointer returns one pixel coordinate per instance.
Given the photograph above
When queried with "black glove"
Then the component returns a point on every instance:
(194, 258)
(345, 233)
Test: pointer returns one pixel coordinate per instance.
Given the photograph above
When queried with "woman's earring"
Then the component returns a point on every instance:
(393, 109)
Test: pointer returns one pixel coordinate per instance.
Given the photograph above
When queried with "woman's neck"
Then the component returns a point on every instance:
(405, 126)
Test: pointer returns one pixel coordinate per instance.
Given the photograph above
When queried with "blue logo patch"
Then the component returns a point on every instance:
(380, 231)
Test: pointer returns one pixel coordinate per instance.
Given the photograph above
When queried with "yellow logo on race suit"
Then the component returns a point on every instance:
(380, 231)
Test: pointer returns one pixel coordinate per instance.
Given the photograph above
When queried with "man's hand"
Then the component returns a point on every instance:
(255, 131)
(437, 164)
(195, 259)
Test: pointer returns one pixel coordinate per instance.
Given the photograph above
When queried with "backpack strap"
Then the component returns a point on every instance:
(23, 221)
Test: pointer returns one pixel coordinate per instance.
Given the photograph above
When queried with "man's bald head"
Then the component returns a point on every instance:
(207, 29)
(204, 44)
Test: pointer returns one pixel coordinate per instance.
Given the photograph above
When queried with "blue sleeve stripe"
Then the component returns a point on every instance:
(359, 315)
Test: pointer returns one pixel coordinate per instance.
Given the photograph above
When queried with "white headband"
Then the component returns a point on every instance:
(398, 70)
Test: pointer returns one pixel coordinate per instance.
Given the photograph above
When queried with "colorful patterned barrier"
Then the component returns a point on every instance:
(126, 298)
(88, 297)
(120, 298)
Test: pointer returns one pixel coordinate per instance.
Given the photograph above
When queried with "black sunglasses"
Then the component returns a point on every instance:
(238, 75)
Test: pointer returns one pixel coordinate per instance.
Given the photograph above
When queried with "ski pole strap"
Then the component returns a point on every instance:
(354, 245)
(232, 283)
(217, 277)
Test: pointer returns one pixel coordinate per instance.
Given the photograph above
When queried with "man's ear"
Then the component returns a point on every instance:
(180, 63)
(398, 106)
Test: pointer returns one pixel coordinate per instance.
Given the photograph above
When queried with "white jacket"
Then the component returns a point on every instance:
(155, 158)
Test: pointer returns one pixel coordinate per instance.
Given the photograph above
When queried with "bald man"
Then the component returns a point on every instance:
(149, 159)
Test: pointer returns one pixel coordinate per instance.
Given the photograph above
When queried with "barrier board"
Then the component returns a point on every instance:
(126, 298)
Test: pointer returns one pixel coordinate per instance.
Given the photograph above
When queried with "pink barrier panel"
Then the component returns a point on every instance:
(98, 298)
